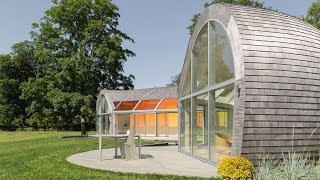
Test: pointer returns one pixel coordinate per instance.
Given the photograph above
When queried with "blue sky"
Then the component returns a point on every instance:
(158, 28)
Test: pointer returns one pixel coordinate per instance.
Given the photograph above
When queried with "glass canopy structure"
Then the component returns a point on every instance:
(152, 112)
(207, 96)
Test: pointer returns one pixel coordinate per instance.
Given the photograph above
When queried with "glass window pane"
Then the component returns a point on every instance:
(200, 127)
(122, 123)
(172, 123)
(161, 124)
(220, 55)
(187, 82)
(171, 103)
(221, 135)
(103, 106)
(103, 124)
(185, 126)
(147, 104)
(145, 124)
(200, 61)
(150, 125)
(126, 105)
(140, 124)
(116, 103)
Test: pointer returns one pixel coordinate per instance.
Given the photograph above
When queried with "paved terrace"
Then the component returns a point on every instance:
(155, 159)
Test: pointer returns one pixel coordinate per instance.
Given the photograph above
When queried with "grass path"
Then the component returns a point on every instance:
(42, 155)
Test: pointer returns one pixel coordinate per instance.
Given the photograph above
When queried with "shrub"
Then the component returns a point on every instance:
(266, 169)
(292, 166)
(235, 168)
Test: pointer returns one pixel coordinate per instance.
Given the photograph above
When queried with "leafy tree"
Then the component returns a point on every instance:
(174, 80)
(313, 16)
(253, 3)
(15, 68)
(80, 51)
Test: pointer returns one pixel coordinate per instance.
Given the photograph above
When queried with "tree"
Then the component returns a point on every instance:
(313, 16)
(80, 51)
(174, 80)
(15, 68)
(253, 3)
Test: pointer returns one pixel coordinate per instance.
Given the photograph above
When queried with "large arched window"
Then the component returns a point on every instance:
(207, 96)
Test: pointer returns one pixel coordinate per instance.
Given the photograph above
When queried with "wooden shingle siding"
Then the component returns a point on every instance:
(273, 155)
(282, 118)
(271, 137)
(282, 80)
(277, 72)
(282, 92)
(281, 61)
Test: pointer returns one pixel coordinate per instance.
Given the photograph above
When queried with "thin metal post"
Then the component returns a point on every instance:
(100, 147)
(139, 139)
(116, 147)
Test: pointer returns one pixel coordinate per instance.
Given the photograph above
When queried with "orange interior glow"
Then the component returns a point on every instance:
(127, 105)
(147, 104)
(172, 119)
(171, 103)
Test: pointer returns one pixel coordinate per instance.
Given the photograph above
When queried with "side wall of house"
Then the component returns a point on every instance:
(282, 82)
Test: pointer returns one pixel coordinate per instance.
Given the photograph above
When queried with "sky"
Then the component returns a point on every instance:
(158, 27)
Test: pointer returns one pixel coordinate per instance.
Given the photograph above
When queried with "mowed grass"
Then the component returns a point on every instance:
(42, 155)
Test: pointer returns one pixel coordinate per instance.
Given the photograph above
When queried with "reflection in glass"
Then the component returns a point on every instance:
(187, 82)
(200, 127)
(185, 125)
(103, 123)
(221, 135)
(200, 61)
(220, 55)
(212, 112)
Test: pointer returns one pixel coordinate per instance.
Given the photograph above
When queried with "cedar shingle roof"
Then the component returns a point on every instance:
(141, 94)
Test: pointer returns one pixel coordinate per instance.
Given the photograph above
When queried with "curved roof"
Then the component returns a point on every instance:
(262, 35)
(141, 94)
(277, 72)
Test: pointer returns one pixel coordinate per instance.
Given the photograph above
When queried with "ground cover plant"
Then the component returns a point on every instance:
(292, 166)
(42, 155)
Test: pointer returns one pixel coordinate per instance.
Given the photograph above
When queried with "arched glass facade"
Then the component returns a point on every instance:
(207, 97)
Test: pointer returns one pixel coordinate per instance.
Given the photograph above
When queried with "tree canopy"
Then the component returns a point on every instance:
(313, 16)
(15, 68)
(174, 80)
(76, 50)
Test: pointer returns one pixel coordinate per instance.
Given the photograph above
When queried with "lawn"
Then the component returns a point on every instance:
(42, 155)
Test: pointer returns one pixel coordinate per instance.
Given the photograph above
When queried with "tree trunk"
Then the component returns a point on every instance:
(83, 126)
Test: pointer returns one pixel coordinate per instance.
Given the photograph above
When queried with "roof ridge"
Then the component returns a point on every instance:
(264, 8)
(164, 87)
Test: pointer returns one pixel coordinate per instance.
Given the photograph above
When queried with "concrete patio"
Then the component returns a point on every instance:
(155, 159)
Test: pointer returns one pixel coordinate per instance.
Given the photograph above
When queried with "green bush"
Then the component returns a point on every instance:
(235, 168)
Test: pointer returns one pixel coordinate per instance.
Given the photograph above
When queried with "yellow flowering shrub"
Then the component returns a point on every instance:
(235, 168)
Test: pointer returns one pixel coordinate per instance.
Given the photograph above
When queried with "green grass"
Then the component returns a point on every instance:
(42, 155)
